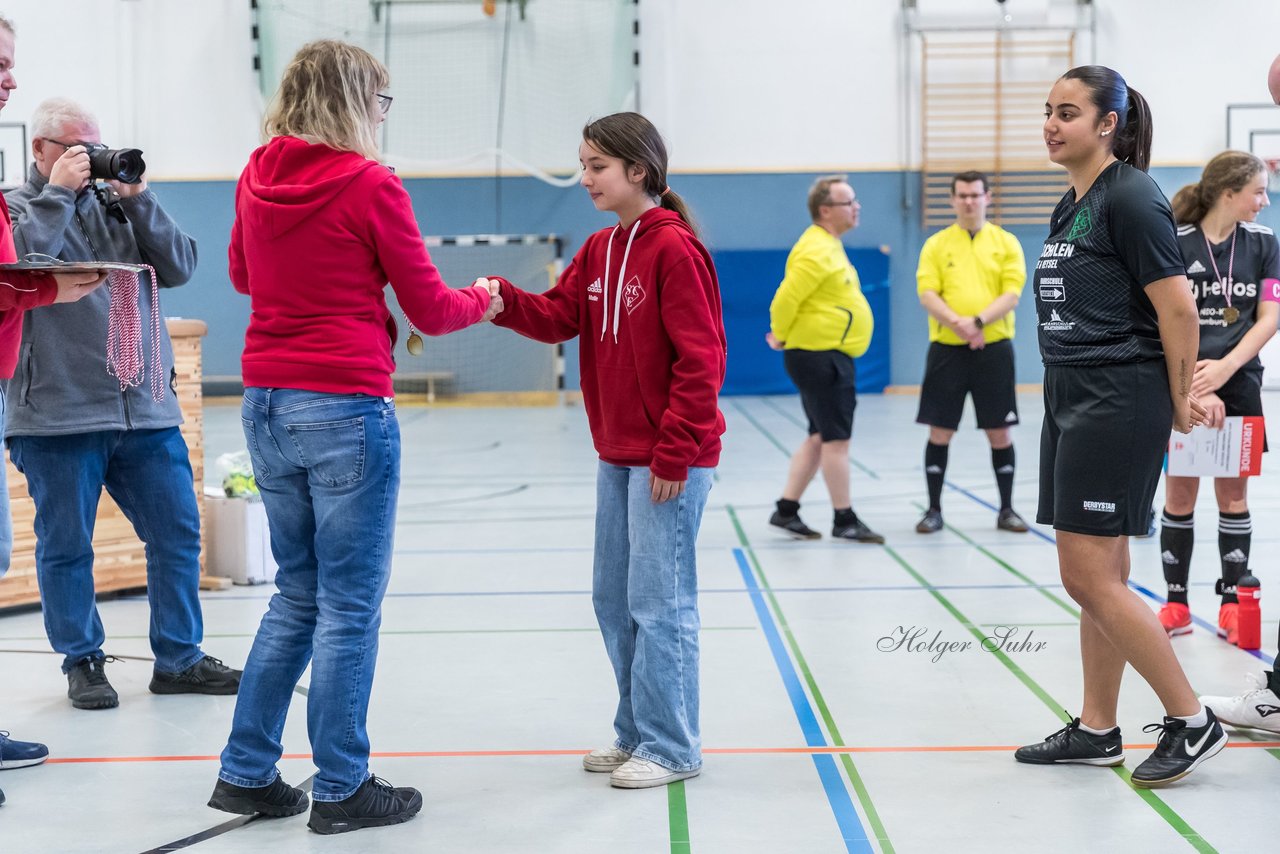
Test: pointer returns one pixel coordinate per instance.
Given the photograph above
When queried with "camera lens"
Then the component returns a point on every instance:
(117, 164)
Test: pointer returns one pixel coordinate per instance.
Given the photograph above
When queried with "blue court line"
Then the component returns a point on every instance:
(851, 830)
(1199, 621)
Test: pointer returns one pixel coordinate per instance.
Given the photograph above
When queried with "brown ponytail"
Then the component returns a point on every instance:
(1228, 171)
(636, 142)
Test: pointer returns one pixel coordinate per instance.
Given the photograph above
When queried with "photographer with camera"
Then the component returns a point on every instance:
(72, 429)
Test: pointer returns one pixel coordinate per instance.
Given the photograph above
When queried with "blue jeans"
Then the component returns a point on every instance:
(645, 592)
(148, 473)
(328, 468)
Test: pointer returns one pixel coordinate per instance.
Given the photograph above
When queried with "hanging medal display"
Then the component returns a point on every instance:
(1230, 314)
(414, 342)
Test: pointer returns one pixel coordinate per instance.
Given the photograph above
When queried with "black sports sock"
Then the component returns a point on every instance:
(1273, 681)
(845, 516)
(1235, 532)
(1002, 462)
(935, 471)
(1177, 537)
(788, 508)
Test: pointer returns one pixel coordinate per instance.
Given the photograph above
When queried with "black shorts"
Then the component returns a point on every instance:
(952, 371)
(1102, 446)
(1242, 395)
(825, 381)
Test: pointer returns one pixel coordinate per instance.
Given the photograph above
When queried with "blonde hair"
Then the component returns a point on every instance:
(327, 95)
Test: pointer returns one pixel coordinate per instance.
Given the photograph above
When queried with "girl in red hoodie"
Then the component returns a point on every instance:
(321, 227)
(643, 299)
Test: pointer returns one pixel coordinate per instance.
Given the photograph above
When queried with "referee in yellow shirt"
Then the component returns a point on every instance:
(821, 321)
(970, 277)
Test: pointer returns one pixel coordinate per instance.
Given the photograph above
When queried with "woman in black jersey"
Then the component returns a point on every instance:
(1118, 335)
(1231, 262)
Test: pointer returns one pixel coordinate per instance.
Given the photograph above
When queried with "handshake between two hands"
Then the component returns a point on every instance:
(493, 288)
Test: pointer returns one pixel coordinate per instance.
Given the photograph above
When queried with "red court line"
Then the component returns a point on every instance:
(721, 751)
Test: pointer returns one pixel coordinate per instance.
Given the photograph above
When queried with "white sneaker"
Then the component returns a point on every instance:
(605, 760)
(1258, 707)
(639, 773)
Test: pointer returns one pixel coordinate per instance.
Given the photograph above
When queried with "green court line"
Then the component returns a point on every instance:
(859, 786)
(412, 632)
(1194, 839)
(790, 417)
(1244, 732)
(1008, 567)
(678, 818)
(754, 423)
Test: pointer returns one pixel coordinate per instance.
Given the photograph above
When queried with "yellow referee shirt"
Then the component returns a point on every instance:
(819, 305)
(968, 273)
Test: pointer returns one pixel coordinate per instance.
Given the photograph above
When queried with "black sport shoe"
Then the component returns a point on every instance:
(277, 798)
(856, 531)
(206, 676)
(374, 804)
(1180, 749)
(1073, 746)
(930, 522)
(87, 685)
(1008, 520)
(795, 529)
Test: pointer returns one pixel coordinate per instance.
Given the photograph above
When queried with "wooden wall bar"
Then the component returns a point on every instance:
(120, 562)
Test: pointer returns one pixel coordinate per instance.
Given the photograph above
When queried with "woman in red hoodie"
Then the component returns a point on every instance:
(321, 227)
(643, 299)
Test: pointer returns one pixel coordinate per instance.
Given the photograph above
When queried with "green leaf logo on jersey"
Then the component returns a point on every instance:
(1081, 225)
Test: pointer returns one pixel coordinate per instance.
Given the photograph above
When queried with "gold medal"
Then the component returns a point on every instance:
(1230, 314)
(414, 344)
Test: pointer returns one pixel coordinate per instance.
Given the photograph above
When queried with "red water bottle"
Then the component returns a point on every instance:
(1249, 624)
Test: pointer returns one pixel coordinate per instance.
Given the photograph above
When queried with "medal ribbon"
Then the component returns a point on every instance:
(1231, 262)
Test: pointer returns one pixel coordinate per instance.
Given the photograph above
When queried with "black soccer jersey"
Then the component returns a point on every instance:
(1101, 252)
(1256, 259)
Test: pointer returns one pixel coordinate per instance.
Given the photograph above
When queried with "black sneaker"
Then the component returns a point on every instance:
(1073, 746)
(374, 804)
(856, 531)
(206, 676)
(87, 685)
(795, 529)
(1008, 520)
(277, 798)
(1, 796)
(930, 522)
(1180, 749)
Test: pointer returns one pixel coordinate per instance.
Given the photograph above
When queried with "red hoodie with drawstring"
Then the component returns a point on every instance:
(318, 235)
(645, 305)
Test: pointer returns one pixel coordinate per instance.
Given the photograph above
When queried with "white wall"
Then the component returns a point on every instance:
(737, 85)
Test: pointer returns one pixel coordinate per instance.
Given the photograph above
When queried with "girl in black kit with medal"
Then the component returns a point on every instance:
(1232, 263)
(1118, 337)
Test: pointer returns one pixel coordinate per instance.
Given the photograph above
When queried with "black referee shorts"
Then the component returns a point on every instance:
(825, 380)
(1242, 395)
(952, 371)
(1106, 429)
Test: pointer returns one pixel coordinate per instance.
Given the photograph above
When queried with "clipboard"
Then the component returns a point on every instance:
(72, 267)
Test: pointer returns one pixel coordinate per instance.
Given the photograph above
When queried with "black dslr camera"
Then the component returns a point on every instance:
(115, 164)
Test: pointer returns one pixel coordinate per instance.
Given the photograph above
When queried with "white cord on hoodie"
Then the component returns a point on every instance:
(622, 278)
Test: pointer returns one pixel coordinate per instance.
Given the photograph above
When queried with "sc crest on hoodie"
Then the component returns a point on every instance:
(633, 294)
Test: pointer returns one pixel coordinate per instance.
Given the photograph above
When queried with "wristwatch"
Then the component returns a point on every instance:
(977, 321)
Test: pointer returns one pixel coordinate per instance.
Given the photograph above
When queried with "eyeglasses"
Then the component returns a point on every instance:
(60, 142)
(847, 204)
(384, 102)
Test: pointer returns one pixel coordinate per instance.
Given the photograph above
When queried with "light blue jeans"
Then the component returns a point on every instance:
(328, 468)
(645, 592)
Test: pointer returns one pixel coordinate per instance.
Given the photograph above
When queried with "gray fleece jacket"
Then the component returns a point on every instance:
(61, 385)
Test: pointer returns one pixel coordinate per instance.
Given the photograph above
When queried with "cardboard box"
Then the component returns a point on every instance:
(237, 541)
